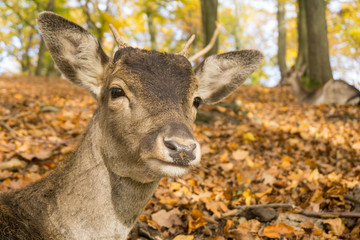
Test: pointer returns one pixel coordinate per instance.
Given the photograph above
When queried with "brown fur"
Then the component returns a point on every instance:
(102, 189)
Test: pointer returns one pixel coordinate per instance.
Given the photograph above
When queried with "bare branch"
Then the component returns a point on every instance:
(208, 47)
(298, 210)
(117, 37)
(330, 214)
(9, 128)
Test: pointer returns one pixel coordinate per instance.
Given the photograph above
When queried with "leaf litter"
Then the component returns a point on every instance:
(271, 168)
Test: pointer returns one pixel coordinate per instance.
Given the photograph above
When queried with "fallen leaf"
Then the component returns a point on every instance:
(198, 222)
(184, 237)
(240, 155)
(278, 230)
(249, 136)
(336, 225)
(166, 219)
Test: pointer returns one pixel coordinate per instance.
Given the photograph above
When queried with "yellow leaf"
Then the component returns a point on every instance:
(285, 162)
(260, 195)
(229, 224)
(248, 196)
(175, 186)
(192, 182)
(196, 213)
(238, 178)
(198, 222)
(249, 136)
(224, 157)
(184, 237)
(169, 200)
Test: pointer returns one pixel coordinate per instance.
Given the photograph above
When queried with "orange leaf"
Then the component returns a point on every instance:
(278, 230)
(198, 222)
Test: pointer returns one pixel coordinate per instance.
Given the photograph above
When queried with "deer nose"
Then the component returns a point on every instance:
(181, 154)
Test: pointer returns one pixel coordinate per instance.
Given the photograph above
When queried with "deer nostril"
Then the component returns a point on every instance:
(180, 153)
(172, 145)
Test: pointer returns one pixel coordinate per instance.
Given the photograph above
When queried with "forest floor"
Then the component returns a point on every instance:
(271, 168)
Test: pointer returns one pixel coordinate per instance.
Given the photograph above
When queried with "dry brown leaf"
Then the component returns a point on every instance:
(240, 155)
(278, 230)
(184, 237)
(166, 219)
(198, 222)
(246, 230)
(336, 225)
(213, 207)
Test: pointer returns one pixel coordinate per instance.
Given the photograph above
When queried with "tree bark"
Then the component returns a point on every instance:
(318, 46)
(26, 66)
(42, 48)
(281, 56)
(237, 30)
(302, 57)
(152, 30)
(209, 17)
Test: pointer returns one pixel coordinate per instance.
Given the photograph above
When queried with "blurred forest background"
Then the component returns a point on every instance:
(272, 26)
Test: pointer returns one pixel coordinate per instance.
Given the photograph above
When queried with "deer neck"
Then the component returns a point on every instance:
(91, 202)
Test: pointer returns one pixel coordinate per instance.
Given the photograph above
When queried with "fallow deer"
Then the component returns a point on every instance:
(140, 132)
(332, 92)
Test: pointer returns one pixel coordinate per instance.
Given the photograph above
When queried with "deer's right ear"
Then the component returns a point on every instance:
(76, 52)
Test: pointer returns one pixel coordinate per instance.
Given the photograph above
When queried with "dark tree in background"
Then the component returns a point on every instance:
(302, 57)
(150, 10)
(42, 48)
(318, 46)
(281, 56)
(209, 17)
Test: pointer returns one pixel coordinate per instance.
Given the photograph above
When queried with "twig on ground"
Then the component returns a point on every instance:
(22, 114)
(271, 205)
(330, 214)
(298, 210)
(2, 123)
(11, 149)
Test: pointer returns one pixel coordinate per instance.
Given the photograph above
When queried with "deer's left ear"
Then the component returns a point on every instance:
(221, 74)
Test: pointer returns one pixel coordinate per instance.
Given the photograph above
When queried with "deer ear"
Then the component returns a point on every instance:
(76, 52)
(220, 75)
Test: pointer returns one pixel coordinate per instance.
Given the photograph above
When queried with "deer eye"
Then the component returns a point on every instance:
(197, 102)
(117, 92)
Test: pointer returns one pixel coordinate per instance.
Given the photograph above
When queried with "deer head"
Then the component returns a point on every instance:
(147, 100)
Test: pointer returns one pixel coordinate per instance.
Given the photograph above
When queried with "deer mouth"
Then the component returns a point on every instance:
(174, 164)
(169, 169)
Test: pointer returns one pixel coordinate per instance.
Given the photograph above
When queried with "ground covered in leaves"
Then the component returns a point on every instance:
(271, 168)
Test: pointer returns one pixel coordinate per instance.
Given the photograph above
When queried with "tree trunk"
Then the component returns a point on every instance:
(26, 65)
(209, 17)
(302, 57)
(42, 48)
(151, 27)
(281, 56)
(237, 29)
(318, 47)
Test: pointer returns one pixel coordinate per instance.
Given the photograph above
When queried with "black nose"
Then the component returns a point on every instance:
(182, 154)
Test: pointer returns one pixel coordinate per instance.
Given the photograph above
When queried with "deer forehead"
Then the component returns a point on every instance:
(154, 76)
